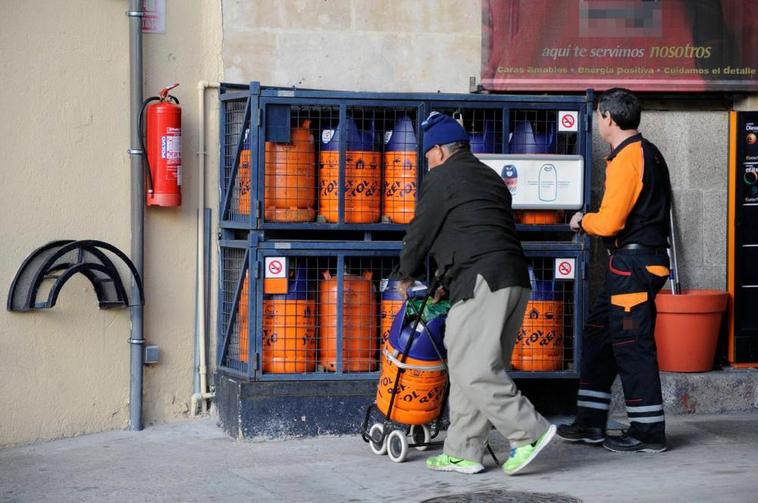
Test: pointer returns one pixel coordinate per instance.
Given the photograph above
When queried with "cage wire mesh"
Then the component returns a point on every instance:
(300, 320)
(234, 128)
(236, 315)
(545, 340)
(536, 132)
(300, 326)
(483, 125)
(301, 182)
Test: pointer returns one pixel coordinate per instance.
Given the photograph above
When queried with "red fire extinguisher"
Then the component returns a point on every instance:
(162, 144)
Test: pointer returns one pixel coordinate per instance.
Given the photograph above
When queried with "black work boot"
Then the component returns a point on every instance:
(575, 432)
(627, 443)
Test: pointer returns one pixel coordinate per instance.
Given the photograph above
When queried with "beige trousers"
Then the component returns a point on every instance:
(479, 338)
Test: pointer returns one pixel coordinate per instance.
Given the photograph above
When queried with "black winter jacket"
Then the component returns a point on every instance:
(464, 222)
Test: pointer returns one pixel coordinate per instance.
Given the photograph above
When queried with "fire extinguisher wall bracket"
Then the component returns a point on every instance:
(162, 144)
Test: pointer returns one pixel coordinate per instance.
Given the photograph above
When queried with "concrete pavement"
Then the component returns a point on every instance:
(712, 458)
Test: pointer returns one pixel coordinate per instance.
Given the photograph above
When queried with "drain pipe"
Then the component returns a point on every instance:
(136, 339)
(202, 394)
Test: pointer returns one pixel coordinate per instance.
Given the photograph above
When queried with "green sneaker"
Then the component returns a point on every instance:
(522, 456)
(445, 463)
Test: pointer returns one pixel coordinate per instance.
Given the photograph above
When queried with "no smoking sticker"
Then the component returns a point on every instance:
(565, 268)
(276, 267)
(567, 121)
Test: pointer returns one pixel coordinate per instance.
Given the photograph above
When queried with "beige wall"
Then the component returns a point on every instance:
(357, 45)
(66, 174)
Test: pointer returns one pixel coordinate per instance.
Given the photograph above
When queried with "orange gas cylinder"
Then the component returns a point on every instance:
(539, 345)
(243, 176)
(362, 176)
(538, 217)
(244, 320)
(419, 392)
(289, 335)
(290, 178)
(392, 301)
(359, 330)
(289, 328)
(400, 172)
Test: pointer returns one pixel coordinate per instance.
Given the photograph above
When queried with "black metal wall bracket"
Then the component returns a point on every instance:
(43, 273)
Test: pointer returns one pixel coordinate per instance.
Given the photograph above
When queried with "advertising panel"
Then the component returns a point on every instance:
(672, 45)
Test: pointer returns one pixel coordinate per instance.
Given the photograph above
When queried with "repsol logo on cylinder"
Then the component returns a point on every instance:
(359, 163)
(405, 163)
(399, 189)
(328, 186)
(364, 187)
(543, 338)
(269, 338)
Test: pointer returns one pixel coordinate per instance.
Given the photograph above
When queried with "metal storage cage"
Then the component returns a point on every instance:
(324, 182)
(326, 316)
(309, 310)
(326, 160)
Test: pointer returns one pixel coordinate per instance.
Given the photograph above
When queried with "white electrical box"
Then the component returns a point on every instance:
(540, 181)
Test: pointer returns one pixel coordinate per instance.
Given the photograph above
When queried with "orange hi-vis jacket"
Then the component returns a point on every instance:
(637, 197)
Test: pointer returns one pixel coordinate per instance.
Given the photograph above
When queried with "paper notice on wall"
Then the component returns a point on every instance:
(540, 181)
(154, 20)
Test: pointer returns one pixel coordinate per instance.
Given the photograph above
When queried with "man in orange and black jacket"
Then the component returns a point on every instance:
(618, 337)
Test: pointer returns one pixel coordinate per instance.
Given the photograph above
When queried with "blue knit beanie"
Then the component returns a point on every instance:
(440, 129)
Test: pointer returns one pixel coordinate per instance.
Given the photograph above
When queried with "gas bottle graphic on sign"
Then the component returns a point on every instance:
(548, 183)
(509, 174)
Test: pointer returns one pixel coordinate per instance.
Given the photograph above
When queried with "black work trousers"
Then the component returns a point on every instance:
(619, 339)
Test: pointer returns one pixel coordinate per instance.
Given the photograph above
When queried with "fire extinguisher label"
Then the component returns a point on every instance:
(171, 147)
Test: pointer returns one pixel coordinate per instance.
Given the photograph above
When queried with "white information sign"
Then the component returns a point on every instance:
(276, 267)
(565, 268)
(539, 181)
(568, 121)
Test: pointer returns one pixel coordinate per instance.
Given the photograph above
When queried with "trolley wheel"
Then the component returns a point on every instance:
(378, 442)
(421, 434)
(397, 446)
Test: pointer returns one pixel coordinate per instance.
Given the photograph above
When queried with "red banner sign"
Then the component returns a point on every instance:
(644, 45)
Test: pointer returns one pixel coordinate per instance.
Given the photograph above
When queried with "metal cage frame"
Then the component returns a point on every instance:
(265, 108)
(258, 108)
(256, 251)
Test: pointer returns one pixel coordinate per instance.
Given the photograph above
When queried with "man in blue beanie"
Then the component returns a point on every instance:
(464, 222)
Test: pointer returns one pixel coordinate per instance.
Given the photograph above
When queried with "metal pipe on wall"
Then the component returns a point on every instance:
(136, 339)
(201, 395)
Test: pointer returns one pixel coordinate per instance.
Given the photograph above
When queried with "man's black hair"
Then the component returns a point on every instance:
(623, 106)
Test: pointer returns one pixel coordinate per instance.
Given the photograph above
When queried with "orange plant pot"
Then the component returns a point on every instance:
(687, 329)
